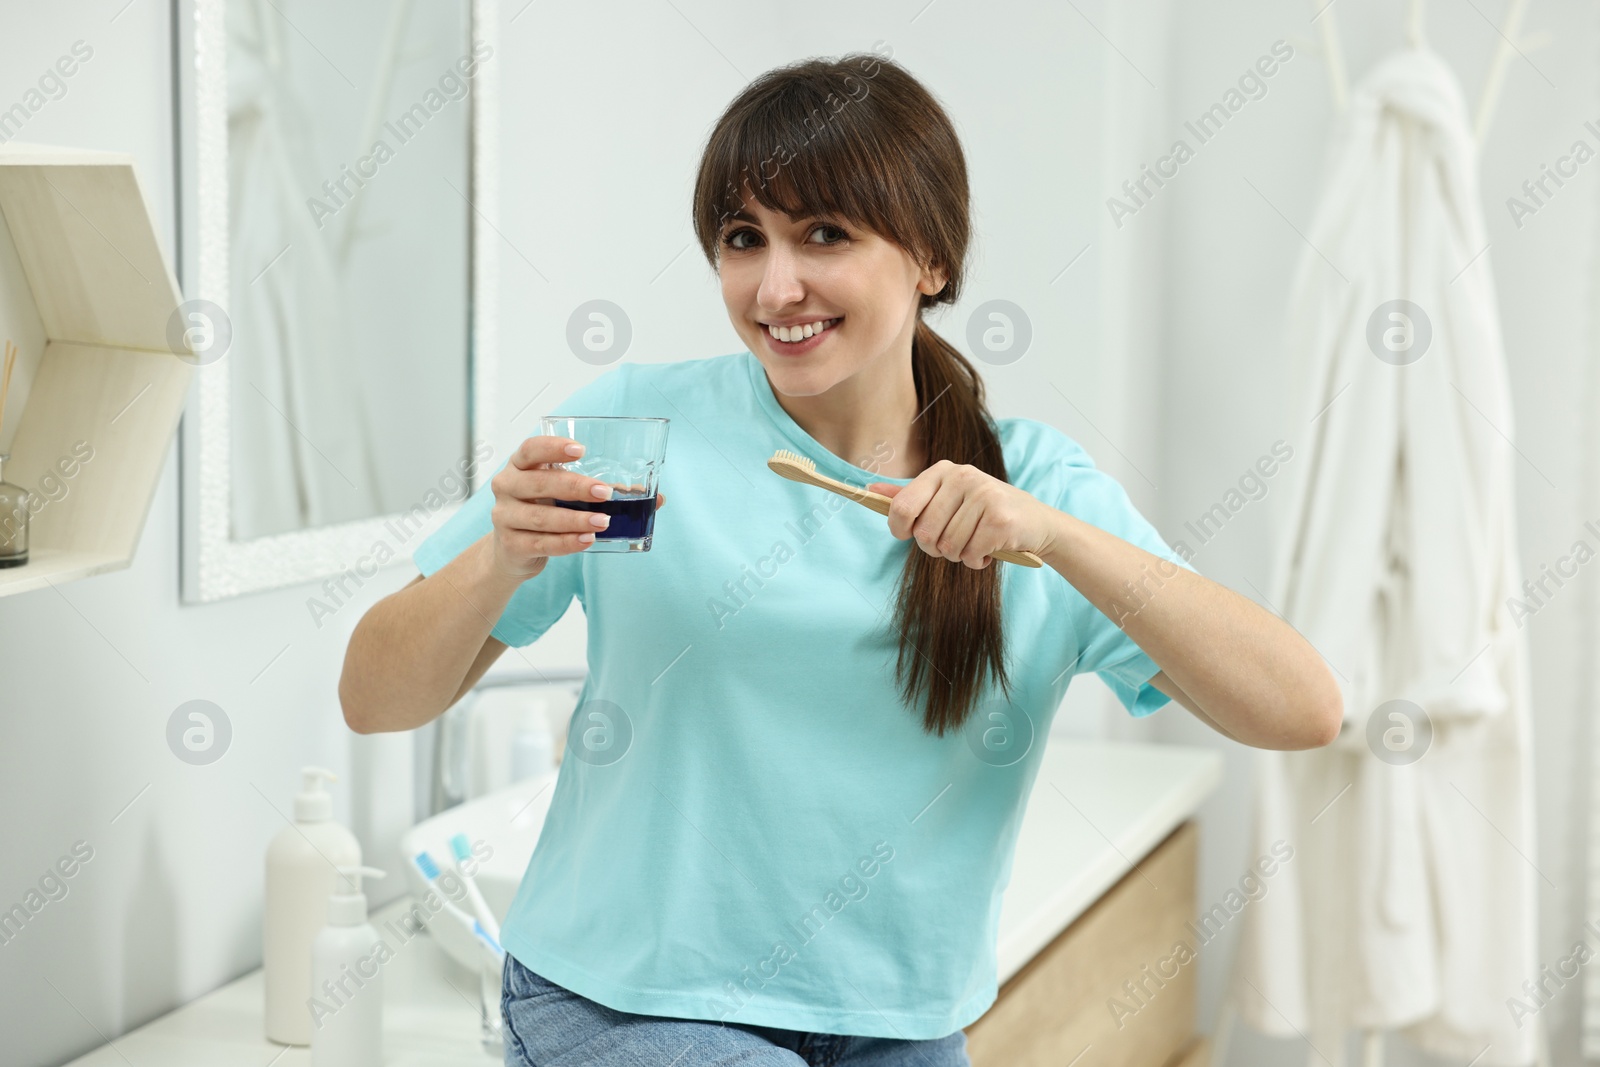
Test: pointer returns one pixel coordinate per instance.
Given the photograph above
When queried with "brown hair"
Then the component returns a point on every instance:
(859, 137)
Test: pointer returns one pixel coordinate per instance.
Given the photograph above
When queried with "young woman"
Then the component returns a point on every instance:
(794, 779)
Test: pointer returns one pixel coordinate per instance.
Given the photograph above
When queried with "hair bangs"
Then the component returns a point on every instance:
(804, 148)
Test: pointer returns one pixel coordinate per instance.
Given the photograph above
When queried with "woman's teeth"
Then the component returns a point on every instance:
(800, 333)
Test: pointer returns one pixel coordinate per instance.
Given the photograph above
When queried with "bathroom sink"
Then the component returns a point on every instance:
(503, 827)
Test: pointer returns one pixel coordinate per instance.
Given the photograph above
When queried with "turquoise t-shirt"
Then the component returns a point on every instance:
(749, 825)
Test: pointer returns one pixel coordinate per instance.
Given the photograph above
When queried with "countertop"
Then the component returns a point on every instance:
(1096, 809)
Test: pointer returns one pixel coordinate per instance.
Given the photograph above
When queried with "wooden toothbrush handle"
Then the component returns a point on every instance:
(1027, 559)
(880, 503)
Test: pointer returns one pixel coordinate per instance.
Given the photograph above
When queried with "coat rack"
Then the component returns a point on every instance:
(1493, 81)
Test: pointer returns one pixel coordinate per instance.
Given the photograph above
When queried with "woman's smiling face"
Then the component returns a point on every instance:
(853, 292)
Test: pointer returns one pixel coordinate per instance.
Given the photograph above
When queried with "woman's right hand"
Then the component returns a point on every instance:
(528, 527)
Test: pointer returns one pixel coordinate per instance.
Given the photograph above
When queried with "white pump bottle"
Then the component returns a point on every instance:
(347, 961)
(301, 871)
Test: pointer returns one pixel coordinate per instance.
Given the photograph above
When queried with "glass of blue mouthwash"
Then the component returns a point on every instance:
(626, 453)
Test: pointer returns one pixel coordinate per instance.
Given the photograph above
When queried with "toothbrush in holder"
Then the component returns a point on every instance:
(430, 870)
(462, 848)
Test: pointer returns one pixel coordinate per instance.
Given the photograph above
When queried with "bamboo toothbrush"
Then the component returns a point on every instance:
(798, 468)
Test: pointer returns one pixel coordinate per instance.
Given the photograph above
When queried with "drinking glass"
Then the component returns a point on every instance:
(492, 1025)
(627, 453)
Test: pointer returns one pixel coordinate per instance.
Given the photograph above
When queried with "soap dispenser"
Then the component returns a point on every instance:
(302, 863)
(347, 958)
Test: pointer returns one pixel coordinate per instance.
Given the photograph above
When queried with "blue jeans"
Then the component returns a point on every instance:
(549, 1026)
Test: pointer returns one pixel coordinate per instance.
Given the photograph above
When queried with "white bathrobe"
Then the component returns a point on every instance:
(1410, 902)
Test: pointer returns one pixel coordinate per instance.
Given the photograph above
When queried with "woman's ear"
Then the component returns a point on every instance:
(932, 282)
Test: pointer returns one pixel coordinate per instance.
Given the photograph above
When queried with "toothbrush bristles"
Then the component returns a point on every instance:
(794, 457)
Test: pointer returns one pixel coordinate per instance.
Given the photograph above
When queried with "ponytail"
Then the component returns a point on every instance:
(949, 615)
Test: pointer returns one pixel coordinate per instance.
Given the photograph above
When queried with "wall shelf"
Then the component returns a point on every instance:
(87, 296)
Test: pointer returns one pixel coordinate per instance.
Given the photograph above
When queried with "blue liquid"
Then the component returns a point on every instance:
(631, 517)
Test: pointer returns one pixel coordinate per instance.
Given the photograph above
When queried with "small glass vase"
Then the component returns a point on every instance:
(13, 520)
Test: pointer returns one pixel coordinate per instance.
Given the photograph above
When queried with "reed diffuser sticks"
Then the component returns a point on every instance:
(5, 379)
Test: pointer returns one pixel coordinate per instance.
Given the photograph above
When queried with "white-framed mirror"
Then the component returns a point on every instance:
(336, 186)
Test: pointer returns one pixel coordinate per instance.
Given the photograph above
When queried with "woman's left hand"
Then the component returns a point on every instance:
(959, 513)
